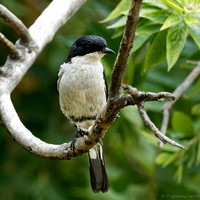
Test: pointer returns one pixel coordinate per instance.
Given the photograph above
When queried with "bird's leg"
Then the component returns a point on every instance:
(72, 146)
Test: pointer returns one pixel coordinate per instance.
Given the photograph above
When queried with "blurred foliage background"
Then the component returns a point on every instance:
(136, 168)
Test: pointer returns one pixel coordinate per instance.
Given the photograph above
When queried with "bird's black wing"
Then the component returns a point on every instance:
(58, 79)
(106, 86)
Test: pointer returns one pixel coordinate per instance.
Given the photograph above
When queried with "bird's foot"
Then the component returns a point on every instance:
(72, 146)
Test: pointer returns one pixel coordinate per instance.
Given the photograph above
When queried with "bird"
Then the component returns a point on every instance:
(83, 93)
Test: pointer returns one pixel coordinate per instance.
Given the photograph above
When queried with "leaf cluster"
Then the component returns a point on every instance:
(168, 23)
(165, 28)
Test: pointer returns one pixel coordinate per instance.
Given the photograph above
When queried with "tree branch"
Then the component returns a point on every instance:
(42, 32)
(16, 24)
(147, 96)
(125, 48)
(138, 98)
(153, 128)
(177, 93)
(13, 52)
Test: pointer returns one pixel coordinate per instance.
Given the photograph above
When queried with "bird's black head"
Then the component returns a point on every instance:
(88, 44)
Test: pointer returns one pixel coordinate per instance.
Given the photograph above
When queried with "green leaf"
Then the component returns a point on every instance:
(173, 5)
(118, 32)
(196, 14)
(148, 28)
(121, 7)
(196, 109)
(194, 31)
(182, 123)
(147, 9)
(192, 158)
(198, 153)
(121, 22)
(157, 51)
(166, 158)
(162, 157)
(190, 20)
(176, 39)
(157, 3)
(171, 21)
(145, 29)
(179, 173)
(157, 16)
(191, 5)
(140, 40)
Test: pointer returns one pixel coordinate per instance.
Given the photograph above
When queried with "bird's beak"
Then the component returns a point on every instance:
(107, 50)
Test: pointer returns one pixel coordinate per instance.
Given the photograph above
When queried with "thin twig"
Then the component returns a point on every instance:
(148, 96)
(153, 128)
(13, 52)
(139, 98)
(16, 24)
(177, 93)
(125, 48)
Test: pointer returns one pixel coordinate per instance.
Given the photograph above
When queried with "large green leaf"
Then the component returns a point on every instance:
(148, 28)
(140, 40)
(147, 9)
(118, 32)
(155, 15)
(171, 21)
(121, 22)
(157, 51)
(194, 31)
(121, 7)
(174, 5)
(144, 31)
(176, 39)
(182, 123)
(190, 20)
(183, 3)
(156, 3)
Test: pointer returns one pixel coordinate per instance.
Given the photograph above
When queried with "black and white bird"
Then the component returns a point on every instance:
(83, 92)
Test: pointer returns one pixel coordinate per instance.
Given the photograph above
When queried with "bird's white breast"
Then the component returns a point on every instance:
(81, 87)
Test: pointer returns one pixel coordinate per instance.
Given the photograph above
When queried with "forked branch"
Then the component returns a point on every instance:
(177, 93)
(42, 31)
(16, 24)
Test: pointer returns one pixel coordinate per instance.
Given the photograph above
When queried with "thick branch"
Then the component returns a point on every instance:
(13, 52)
(16, 24)
(125, 48)
(42, 32)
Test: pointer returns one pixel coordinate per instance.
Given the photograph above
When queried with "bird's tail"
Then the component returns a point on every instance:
(98, 177)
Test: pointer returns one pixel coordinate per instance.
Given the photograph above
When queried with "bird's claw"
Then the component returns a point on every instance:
(72, 146)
